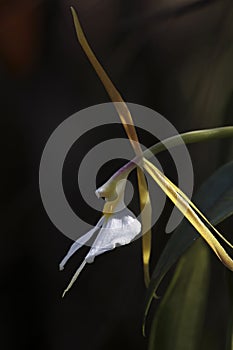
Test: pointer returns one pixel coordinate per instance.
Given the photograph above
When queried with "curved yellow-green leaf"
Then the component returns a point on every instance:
(215, 198)
(186, 208)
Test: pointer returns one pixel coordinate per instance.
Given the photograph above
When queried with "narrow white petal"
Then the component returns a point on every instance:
(119, 229)
(80, 242)
(74, 278)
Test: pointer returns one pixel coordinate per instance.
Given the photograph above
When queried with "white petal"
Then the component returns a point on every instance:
(118, 229)
(80, 242)
(74, 278)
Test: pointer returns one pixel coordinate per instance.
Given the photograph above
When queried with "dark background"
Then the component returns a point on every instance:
(173, 56)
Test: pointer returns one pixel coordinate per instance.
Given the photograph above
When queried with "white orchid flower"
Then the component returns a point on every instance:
(118, 226)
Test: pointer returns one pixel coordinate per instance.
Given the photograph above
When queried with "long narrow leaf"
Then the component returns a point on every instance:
(179, 199)
(216, 192)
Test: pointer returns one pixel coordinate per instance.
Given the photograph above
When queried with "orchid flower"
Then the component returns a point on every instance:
(118, 226)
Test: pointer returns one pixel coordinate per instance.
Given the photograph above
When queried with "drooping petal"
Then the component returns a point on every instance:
(74, 278)
(118, 229)
(80, 242)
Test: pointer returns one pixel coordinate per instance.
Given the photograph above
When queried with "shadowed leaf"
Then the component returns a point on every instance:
(178, 322)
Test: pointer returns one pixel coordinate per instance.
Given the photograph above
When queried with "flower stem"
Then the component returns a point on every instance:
(187, 138)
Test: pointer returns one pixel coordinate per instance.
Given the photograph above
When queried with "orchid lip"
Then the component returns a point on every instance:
(120, 228)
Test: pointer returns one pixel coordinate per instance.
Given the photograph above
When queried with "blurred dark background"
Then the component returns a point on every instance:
(174, 56)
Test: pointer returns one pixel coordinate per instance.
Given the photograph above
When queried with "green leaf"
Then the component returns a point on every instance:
(178, 322)
(215, 200)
